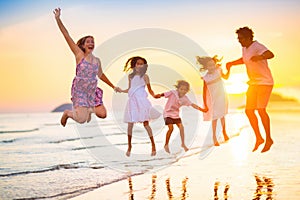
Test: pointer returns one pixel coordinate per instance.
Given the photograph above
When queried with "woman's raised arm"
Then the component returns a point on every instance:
(73, 46)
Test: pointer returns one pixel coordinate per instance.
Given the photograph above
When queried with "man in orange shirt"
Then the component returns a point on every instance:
(254, 56)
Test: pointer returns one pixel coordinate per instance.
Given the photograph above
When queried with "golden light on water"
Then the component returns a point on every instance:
(240, 147)
(237, 83)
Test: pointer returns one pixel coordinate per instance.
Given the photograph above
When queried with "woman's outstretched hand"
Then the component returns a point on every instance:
(56, 12)
(117, 89)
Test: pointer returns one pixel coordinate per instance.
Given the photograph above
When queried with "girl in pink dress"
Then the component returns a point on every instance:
(84, 85)
(139, 108)
(214, 93)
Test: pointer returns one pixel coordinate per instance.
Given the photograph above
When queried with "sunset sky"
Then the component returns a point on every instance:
(37, 66)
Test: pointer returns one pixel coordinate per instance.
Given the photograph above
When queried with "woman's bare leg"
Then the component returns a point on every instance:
(79, 114)
(100, 111)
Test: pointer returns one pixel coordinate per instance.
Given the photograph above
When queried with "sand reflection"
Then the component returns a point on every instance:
(170, 195)
(153, 187)
(216, 188)
(130, 188)
(183, 189)
(264, 187)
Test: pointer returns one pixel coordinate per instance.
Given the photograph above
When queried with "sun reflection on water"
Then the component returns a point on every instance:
(240, 148)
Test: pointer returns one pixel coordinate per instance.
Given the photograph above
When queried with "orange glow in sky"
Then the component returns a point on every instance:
(37, 66)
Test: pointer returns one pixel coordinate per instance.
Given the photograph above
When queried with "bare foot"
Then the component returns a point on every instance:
(153, 153)
(216, 143)
(64, 119)
(167, 148)
(267, 145)
(184, 147)
(257, 144)
(226, 138)
(128, 151)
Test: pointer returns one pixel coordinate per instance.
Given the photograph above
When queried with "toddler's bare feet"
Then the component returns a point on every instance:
(267, 146)
(258, 143)
(184, 147)
(167, 148)
(64, 119)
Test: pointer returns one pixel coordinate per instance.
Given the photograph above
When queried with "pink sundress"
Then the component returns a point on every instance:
(84, 84)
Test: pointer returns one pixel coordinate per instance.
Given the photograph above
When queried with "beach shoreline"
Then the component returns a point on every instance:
(230, 171)
(72, 172)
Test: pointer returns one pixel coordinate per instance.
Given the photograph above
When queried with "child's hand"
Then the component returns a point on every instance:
(122, 91)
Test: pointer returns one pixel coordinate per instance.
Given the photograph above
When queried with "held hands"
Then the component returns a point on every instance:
(57, 13)
(228, 66)
(204, 109)
(117, 89)
(157, 96)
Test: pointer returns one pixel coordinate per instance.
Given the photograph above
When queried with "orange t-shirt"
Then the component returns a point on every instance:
(258, 72)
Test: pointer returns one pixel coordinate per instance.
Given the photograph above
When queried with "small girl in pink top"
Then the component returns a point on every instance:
(176, 99)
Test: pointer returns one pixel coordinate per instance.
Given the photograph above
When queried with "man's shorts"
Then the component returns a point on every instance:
(258, 96)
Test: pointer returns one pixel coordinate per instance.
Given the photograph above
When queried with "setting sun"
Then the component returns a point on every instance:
(237, 83)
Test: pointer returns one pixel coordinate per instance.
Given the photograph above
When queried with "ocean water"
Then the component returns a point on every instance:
(40, 159)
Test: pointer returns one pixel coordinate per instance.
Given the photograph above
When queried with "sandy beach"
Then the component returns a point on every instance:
(230, 171)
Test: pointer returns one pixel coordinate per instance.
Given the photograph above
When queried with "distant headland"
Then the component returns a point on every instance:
(61, 108)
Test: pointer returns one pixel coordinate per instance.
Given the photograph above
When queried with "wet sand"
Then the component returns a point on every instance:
(230, 171)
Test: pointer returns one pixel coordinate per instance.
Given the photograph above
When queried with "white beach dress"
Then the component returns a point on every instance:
(216, 96)
(139, 108)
